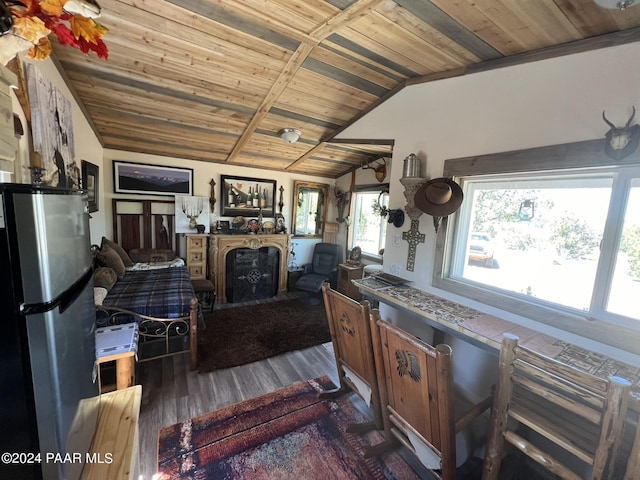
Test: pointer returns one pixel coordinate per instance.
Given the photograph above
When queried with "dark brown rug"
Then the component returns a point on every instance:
(286, 434)
(239, 335)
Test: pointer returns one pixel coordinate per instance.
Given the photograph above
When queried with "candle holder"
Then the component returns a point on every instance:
(36, 175)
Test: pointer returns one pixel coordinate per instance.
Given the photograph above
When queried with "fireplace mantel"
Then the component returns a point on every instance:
(220, 245)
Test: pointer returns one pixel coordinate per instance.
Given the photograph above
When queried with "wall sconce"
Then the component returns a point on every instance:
(527, 210)
(290, 135)
(615, 4)
(394, 216)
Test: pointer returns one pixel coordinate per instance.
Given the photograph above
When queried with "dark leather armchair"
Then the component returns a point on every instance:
(323, 268)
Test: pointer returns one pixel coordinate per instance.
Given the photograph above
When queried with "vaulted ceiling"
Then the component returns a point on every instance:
(216, 80)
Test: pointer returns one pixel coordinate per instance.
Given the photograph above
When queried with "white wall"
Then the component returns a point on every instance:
(202, 174)
(88, 147)
(543, 103)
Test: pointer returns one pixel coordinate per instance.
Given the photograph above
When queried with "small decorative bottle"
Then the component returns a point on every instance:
(231, 198)
(250, 199)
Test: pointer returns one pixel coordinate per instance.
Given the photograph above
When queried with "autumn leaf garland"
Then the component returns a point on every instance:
(34, 20)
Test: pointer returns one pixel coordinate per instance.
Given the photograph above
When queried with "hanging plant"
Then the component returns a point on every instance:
(379, 209)
(68, 20)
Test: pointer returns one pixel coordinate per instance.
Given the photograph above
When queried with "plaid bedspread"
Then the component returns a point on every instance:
(163, 293)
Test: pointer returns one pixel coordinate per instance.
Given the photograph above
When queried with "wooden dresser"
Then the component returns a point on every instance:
(197, 255)
(346, 273)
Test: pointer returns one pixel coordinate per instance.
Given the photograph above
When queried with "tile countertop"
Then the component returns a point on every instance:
(486, 331)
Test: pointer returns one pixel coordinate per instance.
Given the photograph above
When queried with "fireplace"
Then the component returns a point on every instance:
(219, 258)
(252, 274)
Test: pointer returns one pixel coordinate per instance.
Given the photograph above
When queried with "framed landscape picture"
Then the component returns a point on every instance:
(244, 196)
(151, 179)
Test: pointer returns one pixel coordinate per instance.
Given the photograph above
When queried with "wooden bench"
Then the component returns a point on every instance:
(114, 450)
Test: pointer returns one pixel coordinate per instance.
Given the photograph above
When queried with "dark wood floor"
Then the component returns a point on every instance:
(171, 393)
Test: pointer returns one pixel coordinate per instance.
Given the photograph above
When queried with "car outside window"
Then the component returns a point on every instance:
(566, 240)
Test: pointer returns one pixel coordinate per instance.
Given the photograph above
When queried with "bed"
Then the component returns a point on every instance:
(156, 293)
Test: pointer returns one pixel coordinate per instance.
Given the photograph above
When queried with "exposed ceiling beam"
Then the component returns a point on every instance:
(317, 149)
(359, 9)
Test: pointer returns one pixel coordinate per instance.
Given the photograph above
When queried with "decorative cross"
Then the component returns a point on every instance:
(413, 237)
(212, 195)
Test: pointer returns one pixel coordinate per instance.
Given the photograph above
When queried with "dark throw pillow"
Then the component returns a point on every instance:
(108, 257)
(114, 246)
(104, 277)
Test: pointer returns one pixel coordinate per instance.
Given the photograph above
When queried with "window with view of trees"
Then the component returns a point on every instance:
(535, 236)
(369, 228)
(566, 242)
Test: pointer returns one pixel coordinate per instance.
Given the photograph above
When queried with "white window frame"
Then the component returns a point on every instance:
(377, 189)
(582, 157)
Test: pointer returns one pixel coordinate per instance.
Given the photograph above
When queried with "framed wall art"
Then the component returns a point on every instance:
(151, 179)
(246, 196)
(90, 183)
(192, 214)
(52, 131)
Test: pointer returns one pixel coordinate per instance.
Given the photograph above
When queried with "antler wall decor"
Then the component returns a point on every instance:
(621, 141)
(379, 170)
(190, 211)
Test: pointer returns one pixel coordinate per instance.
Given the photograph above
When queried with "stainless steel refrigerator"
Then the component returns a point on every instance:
(47, 345)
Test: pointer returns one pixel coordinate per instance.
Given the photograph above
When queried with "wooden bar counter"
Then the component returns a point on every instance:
(485, 331)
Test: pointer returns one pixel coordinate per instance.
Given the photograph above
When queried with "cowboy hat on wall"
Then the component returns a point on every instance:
(439, 198)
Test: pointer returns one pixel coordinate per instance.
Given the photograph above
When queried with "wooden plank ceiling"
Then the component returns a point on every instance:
(215, 80)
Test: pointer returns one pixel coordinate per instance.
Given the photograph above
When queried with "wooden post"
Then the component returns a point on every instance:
(446, 414)
(193, 334)
(499, 414)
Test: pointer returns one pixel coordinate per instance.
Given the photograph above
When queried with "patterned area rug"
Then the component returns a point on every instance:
(289, 433)
(240, 335)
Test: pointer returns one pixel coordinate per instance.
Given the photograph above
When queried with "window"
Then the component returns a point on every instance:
(625, 281)
(557, 246)
(368, 227)
(535, 236)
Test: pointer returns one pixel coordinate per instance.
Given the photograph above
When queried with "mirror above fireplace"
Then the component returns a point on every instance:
(310, 202)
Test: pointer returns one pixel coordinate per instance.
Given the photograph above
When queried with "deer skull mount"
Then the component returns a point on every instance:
(379, 170)
(621, 141)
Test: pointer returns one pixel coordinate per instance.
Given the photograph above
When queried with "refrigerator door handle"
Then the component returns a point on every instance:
(63, 300)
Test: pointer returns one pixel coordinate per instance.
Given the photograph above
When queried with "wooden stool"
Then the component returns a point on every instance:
(117, 343)
(206, 294)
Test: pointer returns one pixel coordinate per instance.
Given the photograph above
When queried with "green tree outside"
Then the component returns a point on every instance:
(630, 244)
